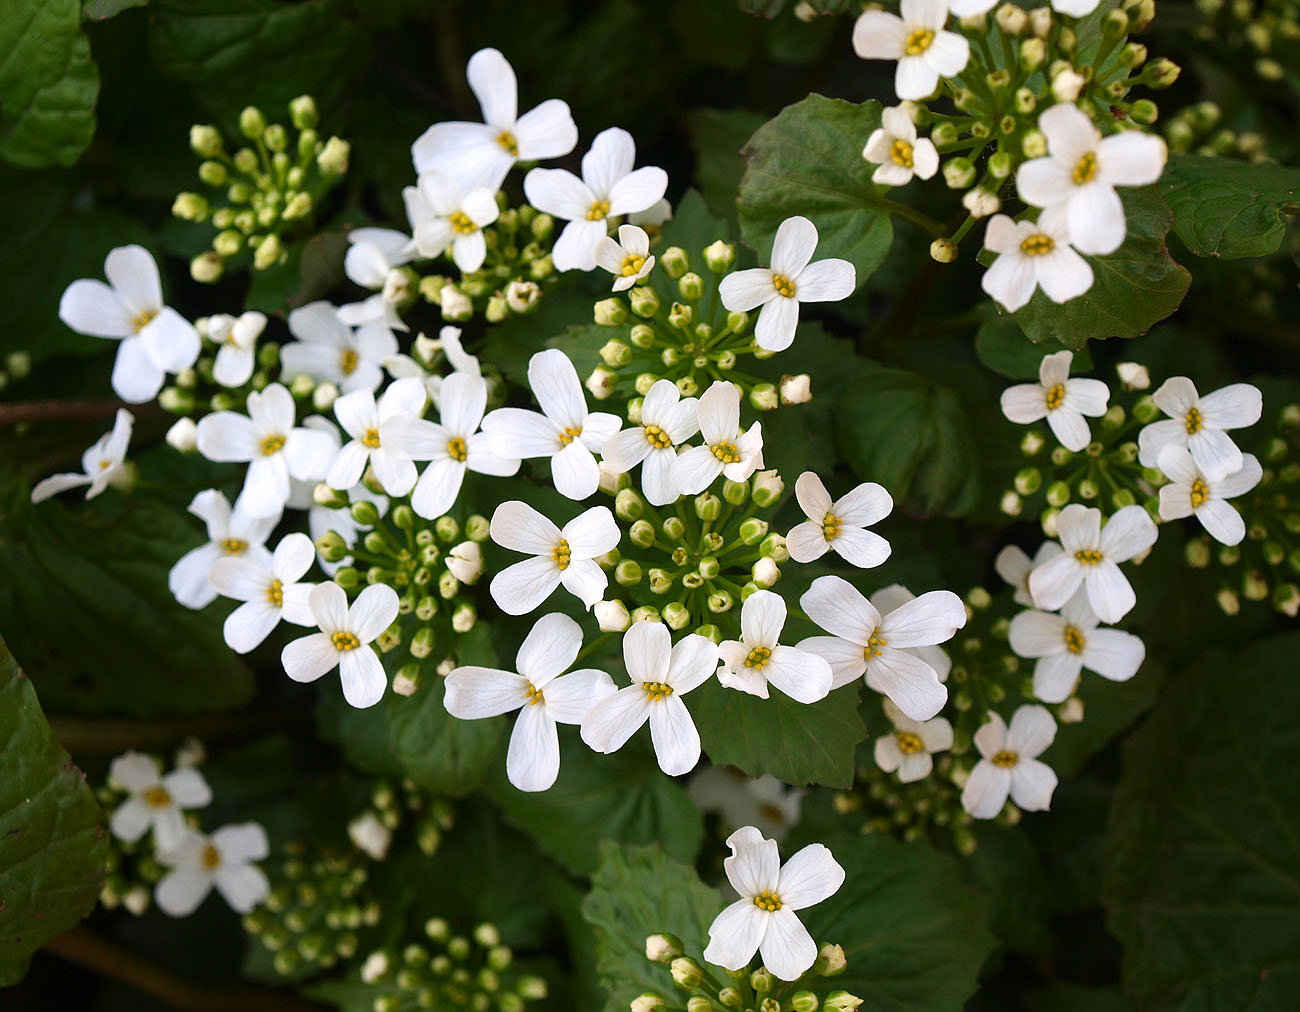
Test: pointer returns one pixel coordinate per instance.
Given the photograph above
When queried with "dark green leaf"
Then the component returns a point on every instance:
(718, 135)
(1229, 209)
(102, 10)
(1003, 347)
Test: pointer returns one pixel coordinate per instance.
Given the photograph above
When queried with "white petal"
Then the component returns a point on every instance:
(735, 935)
(1024, 404)
(1055, 677)
(1214, 452)
(1044, 182)
(181, 891)
(914, 78)
(647, 652)
(807, 542)
(1232, 407)
(591, 533)
(308, 658)
(986, 790)
(91, 307)
(1037, 634)
(249, 624)
(132, 272)
(613, 720)
(519, 527)
(693, 660)
(638, 190)
(131, 819)
(1097, 221)
(135, 378)
(570, 697)
(575, 472)
(754, 866)
(362, 673)
(560, 193)
(171, 341)
(826, 281)
(188, 788)
(878, 35)
(188, 579)
(912, 684)
(520, 588)
(1221, 521)
(1130, 531)
(860, 548)
(787, 948)
(846, 659)
(1032, 784)
(1055, 581)
(793, 247)
(1031, 732)
(373, 611)
(1010, 280)
(810, 876)
(586, 581)
(1130, 159)
(837, 607)
(776, 324)
(474, 692)
(516, 433)
(744, 291)
(1110, 594)
(762, 617)
(695, 470)
(1113, 654)
(547, 131)
(492, 80)
(575, 248)
(549, 648)
(1242, 481)
(242, 886)
(676, 741)
(533, 758)
(931, 618)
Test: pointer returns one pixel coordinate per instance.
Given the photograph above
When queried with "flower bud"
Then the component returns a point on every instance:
(464, 618)
(720, 601)
(642, 534)
(841, 1001)
(465, 562)
(627, 573)
(1144, 111)
(691, 286)
(1066, 85)
(708, 506)
(831, 961)
(1033, 144)
(190, 206)
(1114, 24)
(370, 836)
(804, 1001)
(1033, 53)
(252, 124)
(698, 1003)
(601, 383)
(183, 435)
(796, 389)
(677, 615)
(610, 312)
(764, 397)
(958, 173)
(680, 316)
(943, 251)
(735, 492)
(207, 268)
(612, 616)
(407, 679)
(648, 1002)
(615, 353)
(1011, 20)
(730, 997)
(331, 547)
(333, 159)
(768, 487)
(720, 256)
(737, 322)
(269, 253)
(646, 613)
(675, 262)
(981, 202)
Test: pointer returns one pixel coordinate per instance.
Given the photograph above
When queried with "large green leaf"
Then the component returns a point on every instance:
(1203, 874)
(638, 891)
(808, 161)
(1003, 348)
(48, 83)
(52, 846)
(913, 932)
(718, 135)
(1229, 209)
(1133, 288)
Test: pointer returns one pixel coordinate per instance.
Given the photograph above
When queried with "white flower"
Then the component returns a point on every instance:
(763, 919)
(895, 148)
(453, 447)
(483, 153)
(1069, 642)
(236, 533)
(1191, 493)
(667, 419)
(565, 431)
(1059, 399)
(102, 465)
(1033, 255)
(910, 748)
(267, 440)
(1081, 171)
(224, 859)
(378, 434)
(328, 349)
(448, 343)
(763, 802)
(372, 261)
(1014, 566)
(756, 659)
(629, 259)
(839, 525)
(155, 339)
(562, 556)
(541, 692)
(970, 8)
(343, 641)
(727, 450)
(1010, 764)
(609, 187)
(442, 216)
(1198, 423)
(924, 51)
(790, 280)
(1075, 8)
(890, 598)
(661, 674)
(863, 642)
(370, 836)
(269, 592)
(154, 801)
(1091, 558)
(237, 341)
(465, 562)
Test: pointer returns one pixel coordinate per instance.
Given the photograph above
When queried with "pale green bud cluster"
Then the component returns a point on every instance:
(1262, 34)
(1196, 128)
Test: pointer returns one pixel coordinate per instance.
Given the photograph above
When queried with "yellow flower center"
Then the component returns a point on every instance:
(344, 641)
(1055, 396)
(831, 526)
(275, 593)
(1200, 492)
(234, 546)
(1088, 556)
(348, 362)
(534, 695)
(456, 449)
(726, 452)
(900, 152)
(371, 439)
(1037, 245)
(768, 900)
(1086, 169)
(1073, 639)
(1005, 759)
(143, 318)
(632, 264)
(569, 435)
(461, 223)
(157, 797)
(561, 555)
(783, 285)
(909, 743)
(598, 210)
(918, 41)
(211, 858)
(758, 658)
(657, 437)
(272, 444)
(655, 691)
(507, 140)
(1193, 421)
(872, 649)
(104, 465)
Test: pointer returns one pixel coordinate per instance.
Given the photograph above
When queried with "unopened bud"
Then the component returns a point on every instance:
(648, 1002)
(207, 268)
(765, 573)
(675, 262)
(768, 487)
(601, 383)
(333, 158)
(764, 397)
(183, 435)
(610, 312)
(958, 173)
(830, 961)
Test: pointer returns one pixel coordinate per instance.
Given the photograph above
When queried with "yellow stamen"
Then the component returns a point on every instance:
(348, 362)
(561, 555)
(1193, 421)
(872, 649)
(211, 858)
(275, 593)
(1073, 639)
(1200, 492)
(758, 658)
(457, 450)
(1037, 245)
(534, 695)
(783, 285)
(657, 437)
(900, 153)
(1055, 396)
(726, 452)
(831, 526)
(655, 691)
(598, 210)
(461, 223)
(234, 546)
(768, 900)
(569, 435)
(632, 264)
(371, 439)
(1086, 169)
(143, 318)
(1088, 556)
(344, 641)
(1005, 759)
(909, 743)
(507, 140)
(272, 444)
(918, 41)
(157, 797)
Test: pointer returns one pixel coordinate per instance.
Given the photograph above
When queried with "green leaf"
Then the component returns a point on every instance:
(1229, 209)
(621, 797)
(48, 83)
(1133, 288)
(897, 428)
(1003, 347)
(808, 161)
(636, 892)
(102, 10)
(795, 742)
(718, 136)
(52, 847)
(1202, 881)
(913, 932)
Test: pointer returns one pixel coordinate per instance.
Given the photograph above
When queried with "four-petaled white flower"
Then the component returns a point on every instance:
(1014, 566)
(372, 261)
(541, 692)
(628, 259)
(727, 450)
(661, 674)
(768, 804)
(1067, 643)
(839, 525)
(897, 151)
(1090, 558)
(1058, 398)
(763, 919)
(154, 801)
(274, 449)
(328, 349)
(102, 465)
(910, 749)
(667, 419)
(893, 597)
(269, 592)
(481, 154)
(236, 340)
(155, 339)
(224, 859)
(1080, 172)
(756, 659)
(1010, 764)
(230, 533)
(1198, 423)
(1033, 255)
(378, 434)
(562, 556)
(565, 431)
(790, 280)
(609, 187)
(917, 40)
(1191, 493)
(443, 216)
(863, 642)
(343, 641)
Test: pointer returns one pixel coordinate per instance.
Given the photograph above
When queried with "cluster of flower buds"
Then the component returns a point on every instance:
(1264, 32)
(230, 365)
(1196, 128)
(391, 808)
(265, 193)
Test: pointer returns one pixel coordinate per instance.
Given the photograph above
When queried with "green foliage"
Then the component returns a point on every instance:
(102, 10)
(1003, 348)
(1225, 209)
(52, 846)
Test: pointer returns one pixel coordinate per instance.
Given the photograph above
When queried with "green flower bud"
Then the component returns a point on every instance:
(804, 1001)
(735, 492)
(737, 322)
(698, 1003)
(628, 505)
(365, 513)
(660, 581)
(610, 312)
(958, 173)
(764, 397)
(709, 567)
(831, 961)
(730, 998)
(1033, 53)
(1028, 480)
(670, 357)
(331, 546)
(190, 206)
(333, 159)
(708, 506)
(680, 316)
(943, 251)
(252, 124)
(448, 585)
(275, 138)
(691, 286)
(841, 1001)
(648, 1002)
(207, 268)
(1144, 111)
(615, 354)
(347, 577)
(687, 386)
(1160, 73)
(677, 615)
(720, 601)
(642, 534)
(1001, 164)
(422, 643)
(646, 613)
(205, 140)
(641, 336)
(675, 262)
(269, 253)
(768, 487)
(720, 256)
(627, 573)
(644, 382)
(769, 1005)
